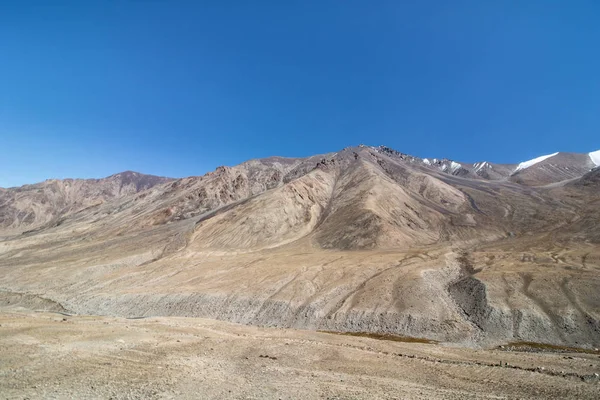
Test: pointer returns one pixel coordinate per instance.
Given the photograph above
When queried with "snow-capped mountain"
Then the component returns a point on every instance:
(542, 170)
(529, 163)
(595, 157)
(553, 168)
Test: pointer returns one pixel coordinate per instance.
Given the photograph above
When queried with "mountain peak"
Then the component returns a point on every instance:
(595, 157)
(529, 163)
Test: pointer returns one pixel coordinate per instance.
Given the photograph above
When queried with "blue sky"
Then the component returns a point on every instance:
(91, 88)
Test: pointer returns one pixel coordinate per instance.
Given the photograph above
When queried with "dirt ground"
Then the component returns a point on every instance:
(55, 356)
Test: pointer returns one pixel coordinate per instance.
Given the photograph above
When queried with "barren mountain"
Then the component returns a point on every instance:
(49, 202)
(363, 240)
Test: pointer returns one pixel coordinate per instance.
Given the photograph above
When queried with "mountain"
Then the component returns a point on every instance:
(48, 202)
(553, 168)
(367, 239)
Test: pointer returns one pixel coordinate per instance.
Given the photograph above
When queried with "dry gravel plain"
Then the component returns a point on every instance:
(55, 356)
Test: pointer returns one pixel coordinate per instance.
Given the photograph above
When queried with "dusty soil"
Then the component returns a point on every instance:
(55, 356)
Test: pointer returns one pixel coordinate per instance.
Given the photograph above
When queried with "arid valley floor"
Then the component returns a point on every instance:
(53, 356)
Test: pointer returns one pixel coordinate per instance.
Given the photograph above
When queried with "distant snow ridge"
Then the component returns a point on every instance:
(595, 156)
(527, 164)
(480, 165)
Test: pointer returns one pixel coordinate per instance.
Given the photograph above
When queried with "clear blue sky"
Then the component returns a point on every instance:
(91, 88)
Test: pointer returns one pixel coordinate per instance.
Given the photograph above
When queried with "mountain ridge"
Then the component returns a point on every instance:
(594, 155)
(362, 240)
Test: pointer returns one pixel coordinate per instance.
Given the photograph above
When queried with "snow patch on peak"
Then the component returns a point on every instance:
(527, 164)
(595, 156)
(426, 161)
(454, 166)
(481, 165)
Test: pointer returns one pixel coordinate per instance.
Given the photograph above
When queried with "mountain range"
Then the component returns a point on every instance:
(367, 239)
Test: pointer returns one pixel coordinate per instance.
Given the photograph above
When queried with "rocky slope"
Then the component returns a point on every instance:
(49, 202)
(365, 240)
